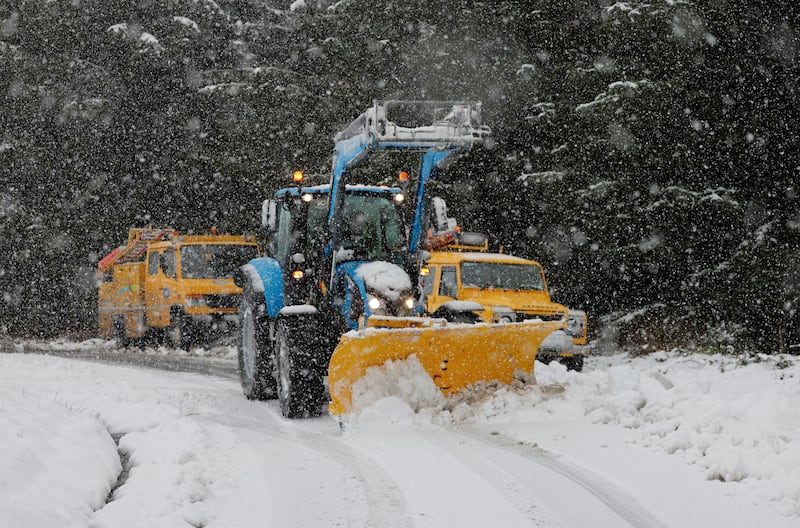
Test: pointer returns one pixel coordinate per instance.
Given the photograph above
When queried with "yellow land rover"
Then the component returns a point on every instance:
(475, 286)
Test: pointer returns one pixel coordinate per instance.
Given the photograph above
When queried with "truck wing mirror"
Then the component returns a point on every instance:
(269, 215)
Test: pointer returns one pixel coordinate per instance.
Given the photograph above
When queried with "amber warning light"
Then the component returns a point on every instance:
(298, 176)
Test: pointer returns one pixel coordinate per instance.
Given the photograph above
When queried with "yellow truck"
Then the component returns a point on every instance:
(177, 288)
(463, 282)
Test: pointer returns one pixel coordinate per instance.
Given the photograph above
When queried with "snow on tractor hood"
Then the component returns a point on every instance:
(384, 278)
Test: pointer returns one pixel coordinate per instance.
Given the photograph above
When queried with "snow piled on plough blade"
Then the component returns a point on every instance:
(454, 355)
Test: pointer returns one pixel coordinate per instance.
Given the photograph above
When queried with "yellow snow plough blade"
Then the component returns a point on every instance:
(454, 355)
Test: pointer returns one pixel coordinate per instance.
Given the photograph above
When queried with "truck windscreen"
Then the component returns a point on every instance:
(214, 261)
(486, 275)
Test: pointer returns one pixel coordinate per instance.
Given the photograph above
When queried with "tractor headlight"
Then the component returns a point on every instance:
(402, 306)
(374, 303)
(377, 306)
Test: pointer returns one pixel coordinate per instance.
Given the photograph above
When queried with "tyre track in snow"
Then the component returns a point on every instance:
(616, 500)
(212, 366)
(383, 498)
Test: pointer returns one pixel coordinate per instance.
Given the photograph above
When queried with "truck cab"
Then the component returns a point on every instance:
(191, 277)
(171, 286)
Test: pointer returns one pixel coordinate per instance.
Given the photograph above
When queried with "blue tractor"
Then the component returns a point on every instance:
(340, 254)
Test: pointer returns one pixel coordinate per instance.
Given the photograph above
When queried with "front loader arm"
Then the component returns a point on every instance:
(455, 128)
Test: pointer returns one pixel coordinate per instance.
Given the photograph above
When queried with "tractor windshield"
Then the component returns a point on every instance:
(213, 261)
(487, 275)
(370, 229)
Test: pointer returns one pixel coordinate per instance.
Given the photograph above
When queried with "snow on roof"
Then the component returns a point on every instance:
(385, 278)
(480, 257)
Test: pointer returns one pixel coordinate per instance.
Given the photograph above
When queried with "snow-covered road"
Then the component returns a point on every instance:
(663, 441)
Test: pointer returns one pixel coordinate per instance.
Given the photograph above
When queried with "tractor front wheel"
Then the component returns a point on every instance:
(300, 367)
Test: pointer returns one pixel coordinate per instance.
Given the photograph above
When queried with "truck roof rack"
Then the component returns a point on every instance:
(138, 241)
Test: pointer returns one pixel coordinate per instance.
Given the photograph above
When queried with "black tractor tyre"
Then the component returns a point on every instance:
(255, 351)
(302, 354)
(177, 333)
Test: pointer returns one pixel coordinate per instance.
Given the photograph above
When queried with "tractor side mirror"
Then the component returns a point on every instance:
(269, 215)
(439, 214)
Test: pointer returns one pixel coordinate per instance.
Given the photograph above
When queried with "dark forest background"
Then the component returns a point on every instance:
(645, 152)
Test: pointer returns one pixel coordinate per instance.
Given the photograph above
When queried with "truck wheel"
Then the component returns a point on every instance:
(544, 358)
(574, 363)
(256, 362)
(301, 389)
(123, 341)
(177, 333)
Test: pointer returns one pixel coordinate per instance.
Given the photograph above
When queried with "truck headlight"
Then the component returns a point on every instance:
(195, 300)
(409, 303)
(503, 314)
(374, 303)
(576, 323)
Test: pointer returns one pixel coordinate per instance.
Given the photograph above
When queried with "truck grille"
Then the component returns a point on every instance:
(222, 301)
(524, 316)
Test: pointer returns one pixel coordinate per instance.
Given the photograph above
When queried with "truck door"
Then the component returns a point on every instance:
(430, 295)
(157, 294)
(448, 287)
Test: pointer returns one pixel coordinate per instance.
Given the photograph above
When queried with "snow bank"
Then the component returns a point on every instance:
(220, 349)
(58, 465)
(44, 445)
(737, 420)
(405, 380)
